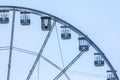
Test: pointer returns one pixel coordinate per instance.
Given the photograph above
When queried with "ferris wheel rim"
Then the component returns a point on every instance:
(63, 22)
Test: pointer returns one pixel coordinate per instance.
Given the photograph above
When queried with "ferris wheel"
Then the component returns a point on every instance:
(36, 45)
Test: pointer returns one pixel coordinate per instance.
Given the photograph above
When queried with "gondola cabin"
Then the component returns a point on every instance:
(110, 75)
(45, 23)
(4, 16)
(98, 60)
(83, 44)
(65, 33)
(25, 18)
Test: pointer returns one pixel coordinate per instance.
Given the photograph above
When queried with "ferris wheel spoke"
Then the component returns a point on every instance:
(42, 57)
(4, 47)
(41, 50)
(35, 54)
(60, 49)
(59, 45)
(60, 69)
(11, 46)
(69, 65)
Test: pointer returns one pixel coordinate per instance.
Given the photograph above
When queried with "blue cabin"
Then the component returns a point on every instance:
(45, 23)
(98, 62)
(110, 75)
(25, 18)
(83, 44)
(65, 33)
(4, 16)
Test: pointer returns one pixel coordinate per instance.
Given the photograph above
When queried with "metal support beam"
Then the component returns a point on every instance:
(44, 58)
(60, 69)
(40, 52)
(69, 65)
(11, 46)
(35, 54)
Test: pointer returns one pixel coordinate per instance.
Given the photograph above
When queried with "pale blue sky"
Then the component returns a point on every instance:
(99, 19)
